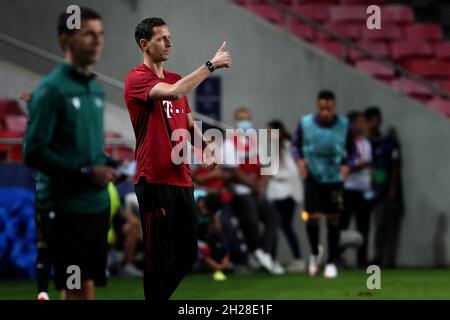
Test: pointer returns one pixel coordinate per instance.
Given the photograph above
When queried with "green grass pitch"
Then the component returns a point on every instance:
(395, 284)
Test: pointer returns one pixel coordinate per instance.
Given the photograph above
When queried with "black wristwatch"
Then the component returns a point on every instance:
(86, 171)
(210, 66)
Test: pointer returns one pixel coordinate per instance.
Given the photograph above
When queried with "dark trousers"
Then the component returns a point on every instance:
(355, 204)
(388, 218)
(250, 210)
(169, 225)
(286, 210)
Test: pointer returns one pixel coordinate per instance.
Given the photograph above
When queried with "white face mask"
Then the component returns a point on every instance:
(244, 125)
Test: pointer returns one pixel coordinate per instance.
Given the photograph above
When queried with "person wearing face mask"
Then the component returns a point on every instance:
(321, 146)
(284, 190)
(249, 189)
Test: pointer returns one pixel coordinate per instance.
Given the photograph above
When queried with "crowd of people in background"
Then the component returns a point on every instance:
(343, 168)
(246, 211)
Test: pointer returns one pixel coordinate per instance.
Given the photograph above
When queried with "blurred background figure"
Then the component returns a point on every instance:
(213, 250)
(125, 237)
(249, 203)
(386, 168)
(321, 147)
(358, 194)
(285, 192)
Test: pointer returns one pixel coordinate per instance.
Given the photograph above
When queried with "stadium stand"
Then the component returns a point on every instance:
(418, 46)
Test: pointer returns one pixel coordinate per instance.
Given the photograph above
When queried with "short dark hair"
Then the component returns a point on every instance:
(144, 30)
(85, 14)
(326, 94)
(239, 110)
(372, 112)
(353, 115)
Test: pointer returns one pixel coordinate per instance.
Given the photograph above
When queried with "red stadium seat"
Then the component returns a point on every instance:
(248, 2)
(345, 30)
(410, 49)
(445, 84)
(349, 14)
(10, 107)
(376, 69)
(365, 2)
(440, 105)
(329, 2)
(431, 69)
(412, 88)
(302, 30)
(267, 11)
(16, 123)
(397, 14)
(319, 12)
(424, 31)
(386, 33)
(378, 48)
(442, 50)
(10, 152)
(334, 48)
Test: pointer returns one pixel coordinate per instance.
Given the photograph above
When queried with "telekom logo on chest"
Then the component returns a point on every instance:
(169, 109)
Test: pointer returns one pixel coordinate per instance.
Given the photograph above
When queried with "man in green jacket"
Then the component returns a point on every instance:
(64, 142)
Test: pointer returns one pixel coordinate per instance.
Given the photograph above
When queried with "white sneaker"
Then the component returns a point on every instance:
(130, 270)
(277, 269)
(330, 271)
(264, 259)
(297, 265)
(313, 266)
(43, 296)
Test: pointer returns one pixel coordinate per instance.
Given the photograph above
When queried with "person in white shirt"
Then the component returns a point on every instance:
(285, 191)
(358, 194)
(248, 186)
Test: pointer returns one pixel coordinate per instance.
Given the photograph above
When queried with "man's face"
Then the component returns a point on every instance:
(326, 109)
(86, 44)
(158, 47)
(374, 123)
(359, 125)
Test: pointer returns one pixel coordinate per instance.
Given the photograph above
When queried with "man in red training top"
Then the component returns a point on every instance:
(157, 104)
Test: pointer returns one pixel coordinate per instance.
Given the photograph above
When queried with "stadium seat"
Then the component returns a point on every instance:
(10, 152)
(424, 31)
(378, 48)
(397, 14)
(386, 34)
(319, 12)
(345, 30)
(365, 2)
(445, 84)
(302, 30)
(376, 69)
(408, 49)
(17, 123)
(329, 2)
(431, 69)
(442, 50)
(334, 48)
(10, 107)
(349, 14)
(267, 11)
(440, 105)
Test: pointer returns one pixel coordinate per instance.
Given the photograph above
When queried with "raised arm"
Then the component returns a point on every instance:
(184, 86)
